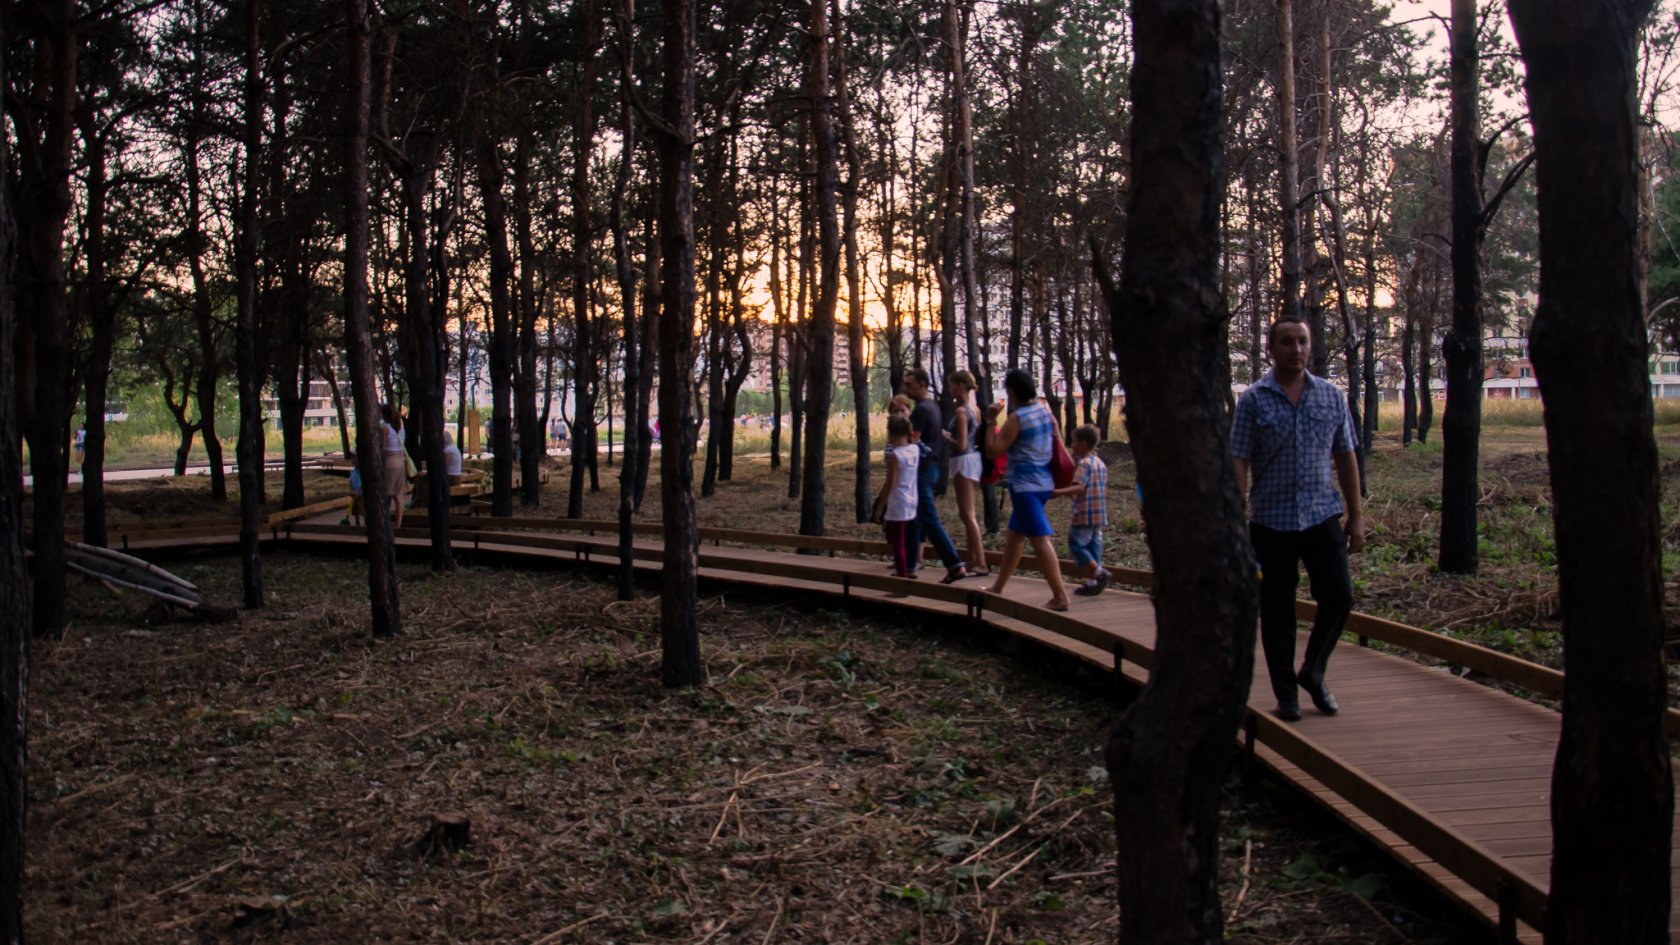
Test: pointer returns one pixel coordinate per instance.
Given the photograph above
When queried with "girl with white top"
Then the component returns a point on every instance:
(895, 506)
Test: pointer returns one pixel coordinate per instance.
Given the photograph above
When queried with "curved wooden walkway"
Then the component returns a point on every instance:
(1450, 775)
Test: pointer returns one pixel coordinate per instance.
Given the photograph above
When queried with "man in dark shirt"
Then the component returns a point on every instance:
(928, 424)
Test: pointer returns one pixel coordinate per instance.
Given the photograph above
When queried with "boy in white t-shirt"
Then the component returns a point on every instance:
(895, 507)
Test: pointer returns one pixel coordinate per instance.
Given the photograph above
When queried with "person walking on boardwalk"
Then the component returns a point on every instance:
(962, 438)
(1090, 512)
(895, 506)
(1025, 437)
(928, 427)
(1290, 430)
(394, 459)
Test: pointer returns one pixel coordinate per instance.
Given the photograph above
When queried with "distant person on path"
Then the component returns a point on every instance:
(451, 458)
(895, 506)
(962, 437)
(1090, 512)
(928, 427)
(1290, 429)
(1025, 438)
(394, 460)
(81, 445)
(355, 511)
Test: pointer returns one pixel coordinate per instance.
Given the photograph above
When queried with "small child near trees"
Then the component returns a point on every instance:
(1090, 512)
(895, 506)
(355, 493)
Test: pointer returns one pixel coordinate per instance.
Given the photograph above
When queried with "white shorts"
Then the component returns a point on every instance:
(966, 466)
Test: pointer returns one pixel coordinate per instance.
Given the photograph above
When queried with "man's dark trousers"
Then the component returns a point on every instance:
(928, 526)
(1323, 550)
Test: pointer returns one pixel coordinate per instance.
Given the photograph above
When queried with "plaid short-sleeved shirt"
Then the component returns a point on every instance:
(1289, 448)
(1091, 509)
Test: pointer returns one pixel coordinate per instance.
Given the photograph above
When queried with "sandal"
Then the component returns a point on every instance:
(974, 573)
(1057, 605)
(952, 577)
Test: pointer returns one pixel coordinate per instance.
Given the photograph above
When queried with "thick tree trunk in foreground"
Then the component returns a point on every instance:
(45, 131)
(679, 620)
(382, 561)
(14, 595)
(1461, 421)
(1168, 757)
(1612, 790)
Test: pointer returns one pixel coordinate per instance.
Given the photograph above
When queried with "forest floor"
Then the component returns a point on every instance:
(842, 777)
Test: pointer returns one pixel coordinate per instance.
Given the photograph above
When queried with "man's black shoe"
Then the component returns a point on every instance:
(1288, 713)
(1322, 700)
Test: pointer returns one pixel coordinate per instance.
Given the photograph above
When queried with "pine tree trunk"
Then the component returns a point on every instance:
(249, 450)
(382, 561)
(14, 587)
(1168, 757)
(43, 207)
(1289, 149)
(585, 383)
(1461, 421)
(635, 421)
(679, 619)
(526, 417)
(1612, 786)
(819, 382)
(102, 326)
(863, 498)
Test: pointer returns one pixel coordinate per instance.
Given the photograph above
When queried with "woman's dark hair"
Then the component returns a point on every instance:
(1020, 383)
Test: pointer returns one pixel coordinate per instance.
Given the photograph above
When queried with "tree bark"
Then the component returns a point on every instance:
(1610, 878)
(678, 616)
(209, 353)
(819, 383)
(45, 128)
(102, 327)
(14, 587)
(635, 422)
(1461, 421)
(584, 378)
(249, 449)
(863, 498)
(382, 560)
(1168, 757)
(526, 416)
(1289, 198)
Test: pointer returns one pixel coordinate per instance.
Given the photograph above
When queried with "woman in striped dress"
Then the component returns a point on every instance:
(1026, 438)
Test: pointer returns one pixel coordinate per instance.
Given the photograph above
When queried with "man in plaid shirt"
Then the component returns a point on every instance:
(1290, 431)
(1090, 512)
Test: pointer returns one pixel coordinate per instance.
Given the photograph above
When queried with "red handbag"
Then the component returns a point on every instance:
(1061, 463)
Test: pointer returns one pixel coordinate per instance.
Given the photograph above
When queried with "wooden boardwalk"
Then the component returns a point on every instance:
(1450, 775)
